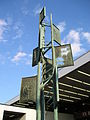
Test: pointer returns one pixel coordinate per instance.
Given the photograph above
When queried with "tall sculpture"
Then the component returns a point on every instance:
(33, 88)
(61, 57)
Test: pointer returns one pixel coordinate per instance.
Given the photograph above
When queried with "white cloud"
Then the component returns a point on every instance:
(37, 9)
(86, 35)
(30, 55)
(61, 26)
(77, 49)
(1, 34)
(73, 36)
(74, 39)
(9, 20)
(23, 58)
(3, 26)
(2, 23)
(18, 56)
(29, 59)
(79, 29)
(18, 28)
(24, 10)
(19, 34)
(2, 59)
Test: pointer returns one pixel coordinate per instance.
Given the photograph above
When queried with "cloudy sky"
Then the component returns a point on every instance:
(19, 23)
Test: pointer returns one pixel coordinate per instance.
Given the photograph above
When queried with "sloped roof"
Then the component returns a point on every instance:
(74, 83)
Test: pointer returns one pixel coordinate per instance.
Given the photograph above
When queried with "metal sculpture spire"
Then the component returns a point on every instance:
(61, 57)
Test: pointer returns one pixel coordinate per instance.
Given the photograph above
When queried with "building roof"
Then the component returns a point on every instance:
(74, 85)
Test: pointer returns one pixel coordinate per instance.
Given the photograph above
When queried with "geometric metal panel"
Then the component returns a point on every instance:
(41, 36)
(56, 34)
(42, 14)
(36, 56)
(47, 67)
(63, 55)
(28, 89)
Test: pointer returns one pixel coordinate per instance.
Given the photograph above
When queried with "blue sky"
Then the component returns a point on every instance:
(19, 23)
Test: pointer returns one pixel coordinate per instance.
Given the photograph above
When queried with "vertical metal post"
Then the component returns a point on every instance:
(42, 91)
(55, 74)
(40, 98)
(38, 112)
(42, 105)
(53, 51)
(57, 86)
(56, 94)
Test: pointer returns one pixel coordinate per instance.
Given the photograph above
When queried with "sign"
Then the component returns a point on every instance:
(42, 14)
(56, 34)
(36, 56)
(47, 68)
(28, 89)
(63, 55)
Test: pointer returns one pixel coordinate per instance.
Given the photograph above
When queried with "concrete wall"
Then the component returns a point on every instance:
(62, 116)
(21, 118)
(30, 114)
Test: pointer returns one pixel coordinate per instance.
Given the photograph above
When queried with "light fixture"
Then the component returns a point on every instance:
(79, 81)
(64, 95)
(12, 116)
(83, 73)
(50, 87)
(74, 87)
(83, 95)
(70, 96)
(73, 79)
(68, 100)
(75, 98)
(67, 91)
(48, 92)
(65, 84)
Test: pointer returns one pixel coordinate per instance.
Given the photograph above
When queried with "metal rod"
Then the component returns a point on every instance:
(42, 105)
(38, 114)
(42, 91)
(50, 99)
(43, 85)
(48, 43)
(48, 71)
(57, 85)
(49, 92)
(47, 50)
(54, 65)
(46, 24)
(47, 47)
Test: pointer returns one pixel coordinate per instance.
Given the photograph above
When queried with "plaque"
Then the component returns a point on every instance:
(63, 55)
(28, 89)
(42, 14)
(56, 34)
(36, 56)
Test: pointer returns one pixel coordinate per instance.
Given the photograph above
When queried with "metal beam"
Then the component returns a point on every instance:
(55, 78)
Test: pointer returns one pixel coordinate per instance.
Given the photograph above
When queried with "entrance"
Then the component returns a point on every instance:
(9, 115)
